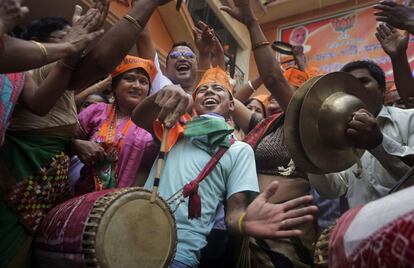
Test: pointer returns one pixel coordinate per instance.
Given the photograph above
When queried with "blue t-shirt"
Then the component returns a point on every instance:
(235, 172)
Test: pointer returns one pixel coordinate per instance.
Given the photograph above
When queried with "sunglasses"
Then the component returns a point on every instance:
(185, 54)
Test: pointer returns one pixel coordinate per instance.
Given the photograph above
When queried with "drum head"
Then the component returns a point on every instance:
(133, 232)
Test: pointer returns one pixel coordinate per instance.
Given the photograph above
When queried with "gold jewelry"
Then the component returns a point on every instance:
(240, 222)
(134, 22)
(66, 65)
(260, 44)
(42, 49)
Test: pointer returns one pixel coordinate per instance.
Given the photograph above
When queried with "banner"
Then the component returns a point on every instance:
(331, 42)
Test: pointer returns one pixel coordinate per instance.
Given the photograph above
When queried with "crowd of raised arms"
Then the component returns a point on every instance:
(82, 120)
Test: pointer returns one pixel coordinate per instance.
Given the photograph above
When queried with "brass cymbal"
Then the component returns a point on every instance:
(291, 129)
(326, 111)
(283, 47)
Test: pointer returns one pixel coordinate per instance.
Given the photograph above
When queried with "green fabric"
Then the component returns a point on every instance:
(26, 154)
(105, 172)
(213, 132)
(12, 234)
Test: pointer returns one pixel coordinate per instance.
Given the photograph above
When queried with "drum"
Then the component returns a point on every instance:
(111, 228)
(378, 234)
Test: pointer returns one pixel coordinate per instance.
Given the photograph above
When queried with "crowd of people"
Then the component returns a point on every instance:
(78, 115)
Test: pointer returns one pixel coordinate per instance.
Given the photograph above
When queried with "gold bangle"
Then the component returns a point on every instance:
(42, 49)
(240, 223)
(66, 65)
(260, 44)
(134, 22)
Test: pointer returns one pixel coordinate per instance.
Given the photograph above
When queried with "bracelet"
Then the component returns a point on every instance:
(134, 22)
(42, 49)
(260, 44)
(251, 85)
(67, 66)
(240, 223)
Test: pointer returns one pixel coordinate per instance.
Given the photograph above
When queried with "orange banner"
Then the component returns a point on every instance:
(331, 42)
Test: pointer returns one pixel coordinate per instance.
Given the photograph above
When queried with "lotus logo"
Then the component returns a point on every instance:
(342, 25)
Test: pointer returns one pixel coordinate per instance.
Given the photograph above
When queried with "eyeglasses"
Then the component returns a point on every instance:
(185, 54)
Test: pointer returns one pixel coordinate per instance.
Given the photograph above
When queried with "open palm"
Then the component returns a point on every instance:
(242, 11)
(391, 40)
(267, 220)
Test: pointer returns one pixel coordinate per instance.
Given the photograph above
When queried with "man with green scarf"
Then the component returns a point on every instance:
(233, 179)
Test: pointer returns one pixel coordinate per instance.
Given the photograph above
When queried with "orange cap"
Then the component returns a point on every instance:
(295, 77)
(263, 98)
(132, 62)
(215, 76)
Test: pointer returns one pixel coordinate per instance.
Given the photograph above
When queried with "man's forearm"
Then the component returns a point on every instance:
(269, 68)
(395, 166)
(146, 113)
(404, 80)
(20, 55)
(113, 46)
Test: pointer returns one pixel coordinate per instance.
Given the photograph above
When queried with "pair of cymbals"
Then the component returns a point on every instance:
(317, 119)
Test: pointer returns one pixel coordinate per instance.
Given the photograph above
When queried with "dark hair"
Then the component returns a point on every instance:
(117, 79)
(42, 28)
(247, 102)
(180, 44)
(375, 71)
(102, 95)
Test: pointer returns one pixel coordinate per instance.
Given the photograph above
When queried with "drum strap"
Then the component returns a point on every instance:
(190, 190)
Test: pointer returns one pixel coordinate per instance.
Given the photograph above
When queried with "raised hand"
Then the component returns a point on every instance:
(11, 12)
(77, 14)
(391, 40)
(82, 33)
(174, 102)
(396, 15)
(218, 51)
(242, 11)
(204, 38)
(103, 7)
(267, 220)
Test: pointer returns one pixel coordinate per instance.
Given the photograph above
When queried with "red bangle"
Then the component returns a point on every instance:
(264, 43)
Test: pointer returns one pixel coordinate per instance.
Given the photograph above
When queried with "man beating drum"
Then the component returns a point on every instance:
(206, 147)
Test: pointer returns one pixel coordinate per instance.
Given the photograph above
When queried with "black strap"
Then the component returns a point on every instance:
(407, 176)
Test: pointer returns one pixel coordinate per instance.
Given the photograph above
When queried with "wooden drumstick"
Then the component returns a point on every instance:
(160, 165)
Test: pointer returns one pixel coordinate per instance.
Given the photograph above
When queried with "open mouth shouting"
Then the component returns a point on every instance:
(210, 102)
(183, 67)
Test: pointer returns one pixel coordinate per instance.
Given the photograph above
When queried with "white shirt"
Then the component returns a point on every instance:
(381, 167)
(160, 79)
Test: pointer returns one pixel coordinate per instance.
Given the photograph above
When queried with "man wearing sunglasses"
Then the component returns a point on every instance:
(182, 66)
